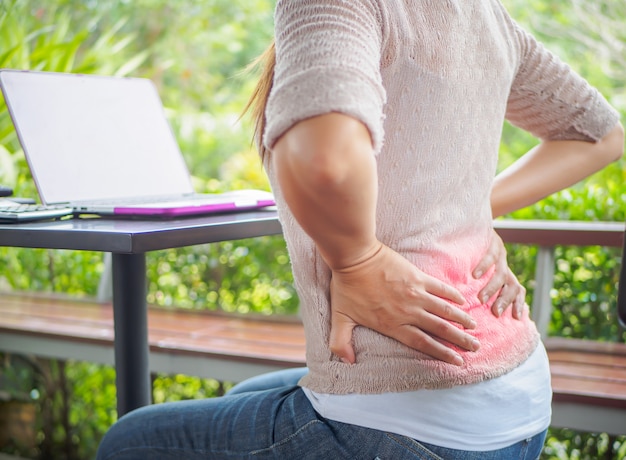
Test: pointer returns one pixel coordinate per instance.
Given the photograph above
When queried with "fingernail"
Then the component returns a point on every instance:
(344, 360)
(458, 361)
(478, 273)
(500, 310)
(475, 344)
(472, 324)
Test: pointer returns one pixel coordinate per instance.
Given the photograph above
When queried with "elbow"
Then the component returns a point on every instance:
(311, 167)
(325, 151)
(326, 170)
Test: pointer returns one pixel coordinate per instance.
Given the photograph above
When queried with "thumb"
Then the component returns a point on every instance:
(341, 337)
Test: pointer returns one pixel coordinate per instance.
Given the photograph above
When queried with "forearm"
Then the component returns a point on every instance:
(552, 166)
(327, 173)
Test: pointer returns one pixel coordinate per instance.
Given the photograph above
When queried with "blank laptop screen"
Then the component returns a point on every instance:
(91, 138)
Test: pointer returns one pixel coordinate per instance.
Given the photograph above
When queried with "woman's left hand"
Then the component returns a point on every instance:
(510, 293)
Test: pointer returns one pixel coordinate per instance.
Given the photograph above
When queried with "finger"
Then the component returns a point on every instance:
(443, 330)
(443, 290)
(485, 264)
(415, 338)
(520, 303)
(506, 298)
(498, 307)
(442, 309)
(341, 337)
(490, 258)
(494, 285)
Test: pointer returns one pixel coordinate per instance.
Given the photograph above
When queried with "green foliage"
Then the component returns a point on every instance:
(91, 406)
(169, 388)
(564, 444)
(585, 287)
(235, 276)
(50, 270)
(72, 417)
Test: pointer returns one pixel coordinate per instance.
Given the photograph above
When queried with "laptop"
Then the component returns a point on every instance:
(102, 145)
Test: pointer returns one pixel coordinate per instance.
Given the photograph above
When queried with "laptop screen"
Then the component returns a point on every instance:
(90, 137)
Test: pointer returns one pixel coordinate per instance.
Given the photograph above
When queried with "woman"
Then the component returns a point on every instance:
(380, 139)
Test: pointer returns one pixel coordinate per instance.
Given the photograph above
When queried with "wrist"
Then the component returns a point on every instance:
(354, 258)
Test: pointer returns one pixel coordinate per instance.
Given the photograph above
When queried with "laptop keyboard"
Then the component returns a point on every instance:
(18, 212)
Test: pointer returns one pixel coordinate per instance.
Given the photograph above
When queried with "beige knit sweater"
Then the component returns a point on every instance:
(433, 81)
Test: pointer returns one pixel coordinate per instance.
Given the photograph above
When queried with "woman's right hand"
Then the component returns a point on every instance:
(390, 295)
(503, 282)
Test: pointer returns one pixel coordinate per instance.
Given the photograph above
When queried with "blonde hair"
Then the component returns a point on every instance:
(258, 100)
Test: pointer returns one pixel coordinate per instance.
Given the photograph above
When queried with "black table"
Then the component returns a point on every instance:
(128, 241)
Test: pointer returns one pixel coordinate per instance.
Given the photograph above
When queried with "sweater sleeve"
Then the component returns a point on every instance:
(327, 60)
(551, 101)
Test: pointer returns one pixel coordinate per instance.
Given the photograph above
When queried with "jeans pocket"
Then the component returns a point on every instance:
(410, 449)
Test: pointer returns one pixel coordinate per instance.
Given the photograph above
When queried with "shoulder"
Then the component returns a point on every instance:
(325, 27)
(366, 21)
(370, 10)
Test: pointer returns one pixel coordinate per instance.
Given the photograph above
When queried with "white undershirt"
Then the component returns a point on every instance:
(485, 416)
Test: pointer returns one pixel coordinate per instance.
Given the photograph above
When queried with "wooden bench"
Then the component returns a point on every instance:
(208, 345)
(588, 377)
(589, 385)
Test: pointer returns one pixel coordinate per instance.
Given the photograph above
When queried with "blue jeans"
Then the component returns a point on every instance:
(277, 423)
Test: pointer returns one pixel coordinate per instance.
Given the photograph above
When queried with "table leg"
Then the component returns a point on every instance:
(130, 316)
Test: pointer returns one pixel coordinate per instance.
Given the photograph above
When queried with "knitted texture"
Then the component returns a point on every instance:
(432, 80)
